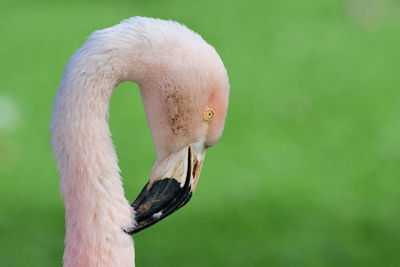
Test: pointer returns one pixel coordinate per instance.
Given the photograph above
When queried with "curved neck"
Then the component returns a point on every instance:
(96, 208)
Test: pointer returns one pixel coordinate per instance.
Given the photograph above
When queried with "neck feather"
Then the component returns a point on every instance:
(96, 209)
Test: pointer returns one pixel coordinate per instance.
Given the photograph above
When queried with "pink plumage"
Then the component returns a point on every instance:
(184, 88)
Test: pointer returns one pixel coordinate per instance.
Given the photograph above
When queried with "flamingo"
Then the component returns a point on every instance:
(184, 88)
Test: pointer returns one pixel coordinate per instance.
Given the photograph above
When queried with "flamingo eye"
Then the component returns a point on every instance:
(209, 114)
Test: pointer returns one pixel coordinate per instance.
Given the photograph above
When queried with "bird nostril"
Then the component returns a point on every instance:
(194, 169)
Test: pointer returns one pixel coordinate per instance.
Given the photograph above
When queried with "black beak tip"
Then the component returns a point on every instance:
(161, 199)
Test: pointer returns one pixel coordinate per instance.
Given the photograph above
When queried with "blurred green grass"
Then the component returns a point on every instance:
(306, 173)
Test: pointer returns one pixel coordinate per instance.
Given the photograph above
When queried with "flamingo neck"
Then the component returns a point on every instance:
(95, 205)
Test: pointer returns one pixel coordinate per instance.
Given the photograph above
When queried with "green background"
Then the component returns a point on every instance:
(307, 172)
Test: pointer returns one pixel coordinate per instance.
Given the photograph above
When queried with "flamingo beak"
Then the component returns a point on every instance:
(171, 186)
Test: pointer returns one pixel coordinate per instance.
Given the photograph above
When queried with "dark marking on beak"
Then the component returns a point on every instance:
(163, 198)
(195, 169)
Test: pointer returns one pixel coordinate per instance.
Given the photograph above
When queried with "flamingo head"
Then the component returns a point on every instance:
(185, 92)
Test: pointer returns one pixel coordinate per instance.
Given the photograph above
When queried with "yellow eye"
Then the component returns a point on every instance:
(209, 114)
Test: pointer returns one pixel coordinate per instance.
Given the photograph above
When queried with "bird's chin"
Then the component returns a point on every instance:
(170, 187)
